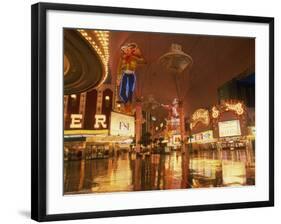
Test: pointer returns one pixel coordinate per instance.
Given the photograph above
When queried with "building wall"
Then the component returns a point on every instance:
(240, 89)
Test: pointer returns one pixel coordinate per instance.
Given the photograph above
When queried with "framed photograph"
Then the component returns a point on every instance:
(139, 111)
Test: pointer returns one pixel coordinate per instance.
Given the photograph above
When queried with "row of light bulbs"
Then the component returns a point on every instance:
(101, 46)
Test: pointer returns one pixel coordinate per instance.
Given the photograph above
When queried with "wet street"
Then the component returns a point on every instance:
(157, 172)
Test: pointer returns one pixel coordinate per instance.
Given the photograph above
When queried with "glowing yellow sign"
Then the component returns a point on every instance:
(76, 121)
(215, 112)
(237, 107)
(231, 105)
(86, 132)
(200, 115)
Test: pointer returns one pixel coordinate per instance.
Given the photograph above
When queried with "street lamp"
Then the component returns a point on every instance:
(177, 62)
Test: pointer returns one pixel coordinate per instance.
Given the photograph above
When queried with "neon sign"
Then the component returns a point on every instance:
(76, 119)
(215, 112)
(237, 107)
(200, 115)
(230, 105)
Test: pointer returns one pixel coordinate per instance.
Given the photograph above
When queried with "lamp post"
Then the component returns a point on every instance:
(138, 127)
(177, 62)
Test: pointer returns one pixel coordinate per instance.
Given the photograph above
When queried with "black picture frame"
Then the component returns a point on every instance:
(38, 108)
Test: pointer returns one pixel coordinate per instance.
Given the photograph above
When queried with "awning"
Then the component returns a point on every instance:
(80, 132)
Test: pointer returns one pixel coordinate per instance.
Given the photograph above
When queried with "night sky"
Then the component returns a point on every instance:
(216, 60)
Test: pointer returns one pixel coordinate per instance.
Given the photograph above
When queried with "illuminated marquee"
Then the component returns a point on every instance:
(200, 115)
(100, 43)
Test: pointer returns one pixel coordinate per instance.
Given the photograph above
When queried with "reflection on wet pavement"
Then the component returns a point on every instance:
(157, 172)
